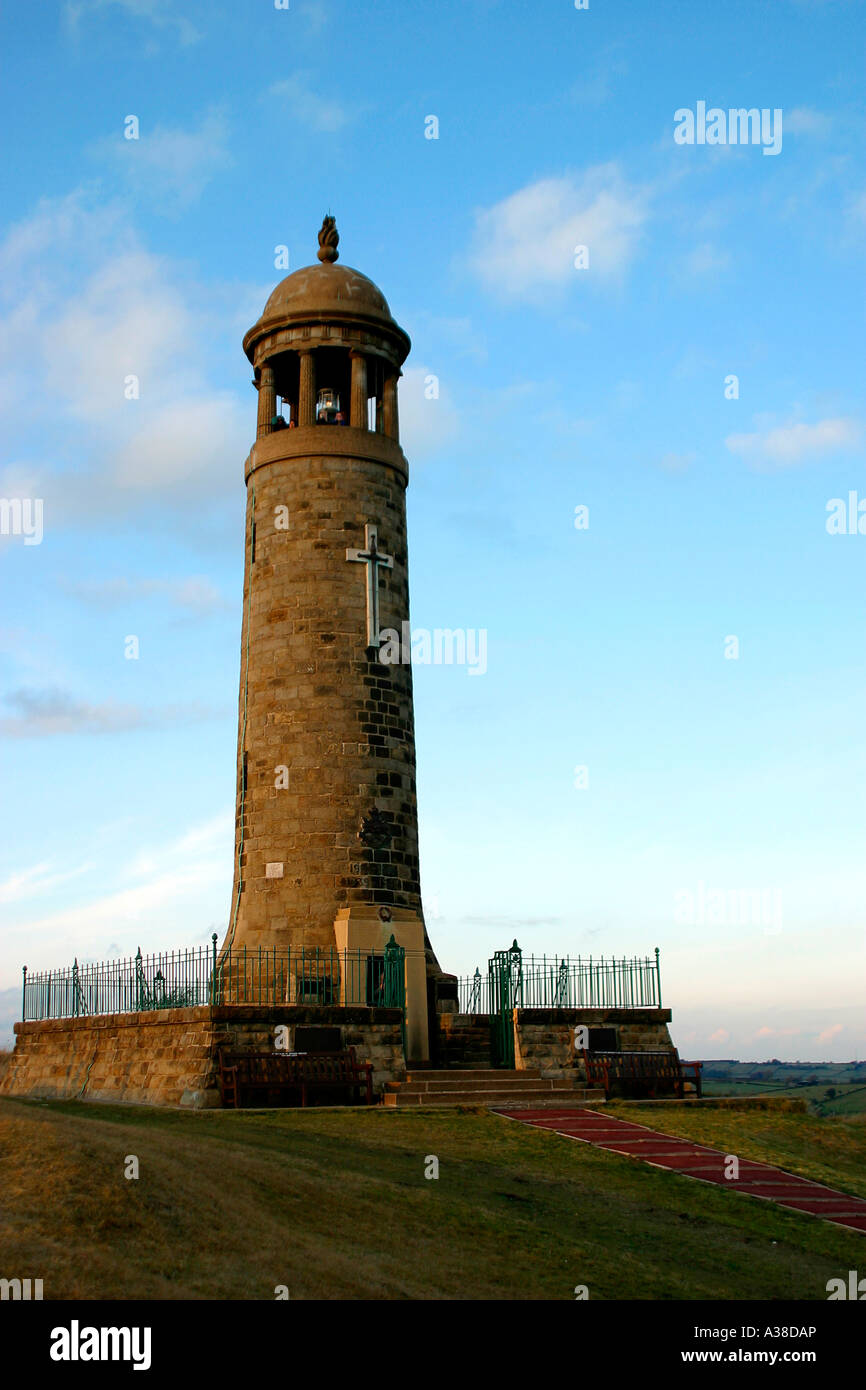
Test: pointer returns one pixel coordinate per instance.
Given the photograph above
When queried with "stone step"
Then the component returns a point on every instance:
(487, 1083)
(466, 1061)
(530, 1099)
(472, 1073)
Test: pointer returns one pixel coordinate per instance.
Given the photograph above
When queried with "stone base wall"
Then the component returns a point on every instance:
(168, 1057)
(544, 1038)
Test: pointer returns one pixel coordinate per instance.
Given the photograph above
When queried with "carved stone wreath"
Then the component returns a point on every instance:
(376, 830)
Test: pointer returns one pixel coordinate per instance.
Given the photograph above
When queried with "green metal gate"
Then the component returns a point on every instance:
(394, 982)
(505, 971)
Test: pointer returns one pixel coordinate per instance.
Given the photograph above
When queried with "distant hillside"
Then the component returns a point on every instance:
(830, 1088)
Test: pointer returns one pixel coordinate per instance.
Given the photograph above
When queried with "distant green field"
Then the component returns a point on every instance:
(741, 1088)
(849, 1099)
(788, 1073)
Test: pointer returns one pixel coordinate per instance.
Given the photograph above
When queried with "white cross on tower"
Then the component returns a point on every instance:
(373, 558)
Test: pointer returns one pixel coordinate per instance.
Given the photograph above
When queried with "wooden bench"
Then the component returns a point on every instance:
(641, 1070)
(292, 1073)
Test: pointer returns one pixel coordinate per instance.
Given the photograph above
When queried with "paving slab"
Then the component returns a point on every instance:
(677, 1155)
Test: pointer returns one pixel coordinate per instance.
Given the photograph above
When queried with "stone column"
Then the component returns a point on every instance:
(307, 395)
(358, 413)
(389, 407)
(267, 401)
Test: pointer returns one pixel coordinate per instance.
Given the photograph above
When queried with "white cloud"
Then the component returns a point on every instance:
(782, 446)
(209, 837)
(524, 246)
(161, 891)
(192, 445)
(29, 883)
(162, 14)
(426, 425)
(855, 213)
(126, 320)
(90, 308)
(127, 907)
(168, 166)
(766, 1032)
(316, 14)
(805, 120)
(828, 1034)
(308, 106)
(706, 259)
(196, 594)
(43, 713)
(459, 336)
(677, 463)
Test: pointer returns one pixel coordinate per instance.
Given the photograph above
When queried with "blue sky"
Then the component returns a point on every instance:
(559, 387)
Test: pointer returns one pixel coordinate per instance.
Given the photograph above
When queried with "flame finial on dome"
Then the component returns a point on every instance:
(329, 239)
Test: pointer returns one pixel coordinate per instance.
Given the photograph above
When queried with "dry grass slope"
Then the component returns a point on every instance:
(335, 1204)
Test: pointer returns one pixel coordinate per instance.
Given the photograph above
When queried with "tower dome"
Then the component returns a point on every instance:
(326, 288)
(326, 293)
(326, 350)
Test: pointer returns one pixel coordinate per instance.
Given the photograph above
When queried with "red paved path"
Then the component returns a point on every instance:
(697, 1161)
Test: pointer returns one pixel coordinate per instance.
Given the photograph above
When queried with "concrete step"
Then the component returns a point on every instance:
(530, 1098)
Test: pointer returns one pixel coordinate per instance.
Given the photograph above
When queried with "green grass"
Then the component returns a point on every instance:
(745, 1088)
(850, 1100)
(334, 1204)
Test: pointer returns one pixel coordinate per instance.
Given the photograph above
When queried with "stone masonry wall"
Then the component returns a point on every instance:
(168, 1057)
(544, 1038)
(318, 702)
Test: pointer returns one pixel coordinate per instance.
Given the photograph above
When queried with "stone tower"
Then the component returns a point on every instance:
(326, 830)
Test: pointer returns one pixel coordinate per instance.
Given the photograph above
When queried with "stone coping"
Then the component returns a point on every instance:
(327, 441)
(633, 1016)
(223, 1013)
